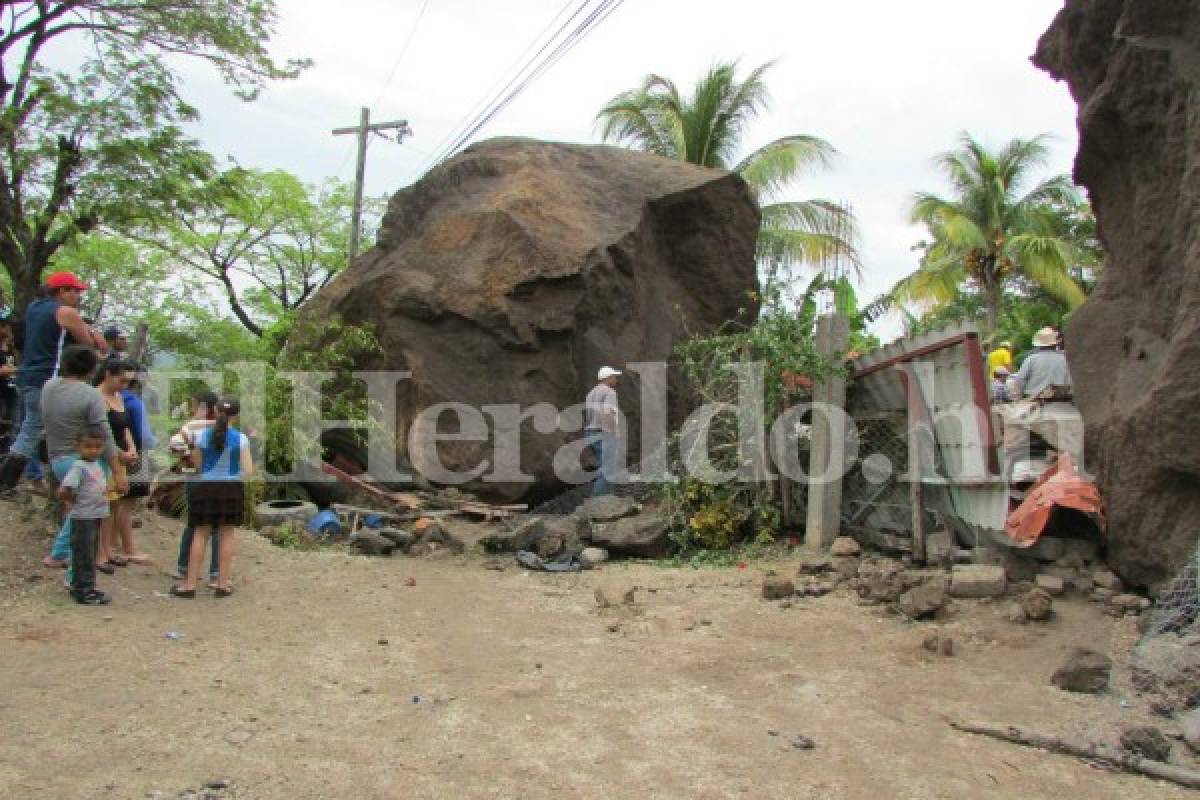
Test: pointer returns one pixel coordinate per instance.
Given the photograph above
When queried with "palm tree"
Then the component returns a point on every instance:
(992, 233)
(707, 128)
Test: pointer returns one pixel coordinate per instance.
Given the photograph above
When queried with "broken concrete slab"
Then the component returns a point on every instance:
(644, 536)
(978, 580)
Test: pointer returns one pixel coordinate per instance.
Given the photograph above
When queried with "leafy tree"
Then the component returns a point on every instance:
(102, 145)
(267, 243)
(127, 282)
(707, 128)
(997, 231)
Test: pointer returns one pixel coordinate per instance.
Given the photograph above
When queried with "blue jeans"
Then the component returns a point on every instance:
(62, 542)
(604, 445)
(31, 421)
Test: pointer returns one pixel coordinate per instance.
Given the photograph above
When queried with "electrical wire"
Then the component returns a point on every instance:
(530, 73)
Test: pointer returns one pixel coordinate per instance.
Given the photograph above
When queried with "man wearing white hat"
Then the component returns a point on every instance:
(1046, 366)
(601, 425)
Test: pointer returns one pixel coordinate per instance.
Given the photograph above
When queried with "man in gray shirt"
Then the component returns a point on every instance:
(601, 425)
(1044, 367)
(70, 406)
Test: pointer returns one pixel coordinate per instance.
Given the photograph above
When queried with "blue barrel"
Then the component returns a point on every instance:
(325, 523)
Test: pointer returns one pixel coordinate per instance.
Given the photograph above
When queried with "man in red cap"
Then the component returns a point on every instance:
(51, 323)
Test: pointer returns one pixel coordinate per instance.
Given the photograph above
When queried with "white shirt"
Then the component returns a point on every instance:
(600, 409)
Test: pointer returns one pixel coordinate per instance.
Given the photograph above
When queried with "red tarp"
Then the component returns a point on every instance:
(1060, 486)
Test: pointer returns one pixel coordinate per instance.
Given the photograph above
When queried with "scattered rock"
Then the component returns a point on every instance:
(1107, 579)
(607, 508)
(371, 543)
(1016, 614)
(1147, 742)
(1051, 584)
(644, 536)
(1070, 561)
(611, 594)
(978, 580)
(1101, 595)
(1129, 602)
(1168, 667)
(939, 643)
(923, 601)
(882, 581)
(1190, 723)
(593, 556)
(1083, 582)
(1084, 671)
(522, 536)
(846, 567)
(238, 736)
(402, 539)
(844, 546)
(1037, 604)
(940, 547)
(777, 588)
(550, 545)
(434, 532)
(814, 564)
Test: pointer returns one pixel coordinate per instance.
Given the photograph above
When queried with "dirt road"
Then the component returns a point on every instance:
(326, 676)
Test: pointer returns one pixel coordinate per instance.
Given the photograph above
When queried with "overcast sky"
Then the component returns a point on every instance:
(889, 84)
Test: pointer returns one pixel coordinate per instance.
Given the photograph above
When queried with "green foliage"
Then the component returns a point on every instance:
(102, 145)
(266, 241)
(292, 536)
(997, 230)
(707, 128)
(704, 515)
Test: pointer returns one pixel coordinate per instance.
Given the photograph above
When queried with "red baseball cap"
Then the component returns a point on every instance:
(65, 280)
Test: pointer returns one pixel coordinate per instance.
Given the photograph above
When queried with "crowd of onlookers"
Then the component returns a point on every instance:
(73, 417)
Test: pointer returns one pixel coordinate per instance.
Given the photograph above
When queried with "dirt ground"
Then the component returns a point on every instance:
(328, 676)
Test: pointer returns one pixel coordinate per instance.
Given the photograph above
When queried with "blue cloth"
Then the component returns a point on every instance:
(139, 421)
(44, 341)
(32, 429)
(604, 445)
(223, 465)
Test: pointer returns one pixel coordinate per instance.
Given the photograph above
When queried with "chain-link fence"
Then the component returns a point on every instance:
(1166, 662)
(876, 504)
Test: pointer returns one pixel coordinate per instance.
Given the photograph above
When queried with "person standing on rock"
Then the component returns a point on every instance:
(52, 322)
(1046, 366)
(602, 427)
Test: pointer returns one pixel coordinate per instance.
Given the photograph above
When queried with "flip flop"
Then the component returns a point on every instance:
(223, 592)
(118, 561)
(179, 591)
(138, 558)
(54, 563)
(106, 568)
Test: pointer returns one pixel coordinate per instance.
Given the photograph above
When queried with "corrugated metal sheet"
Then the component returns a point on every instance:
(948, 382)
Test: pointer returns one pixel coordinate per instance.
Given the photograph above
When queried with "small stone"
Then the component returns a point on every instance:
(1051, 584)
(938, 643)
(923, 601)
(1016, 614)
(239, 736)
(1102, 595)
(978, 580)
(945, 646)
(939, 547)
(613, 594)
(1107, 579)
(1070, 561)
(1147, 742)
(1083, 582)
(1129, 602)
(1191, 729)
(1036, 604)
(776, 588)
(593, 556)
(785, 604)
(382, 642)
(410, 581)
(844, 546)
(846, 567)
(1084, 671)
(613, 627)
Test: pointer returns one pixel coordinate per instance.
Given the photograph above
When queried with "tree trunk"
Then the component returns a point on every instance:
(991, 295)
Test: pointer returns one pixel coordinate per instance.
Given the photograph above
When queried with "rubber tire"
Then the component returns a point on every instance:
(277, 512)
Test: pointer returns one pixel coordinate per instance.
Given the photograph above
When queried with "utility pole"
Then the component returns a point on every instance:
(363, 130)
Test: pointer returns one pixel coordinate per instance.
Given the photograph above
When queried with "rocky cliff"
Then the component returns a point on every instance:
(1133, 66)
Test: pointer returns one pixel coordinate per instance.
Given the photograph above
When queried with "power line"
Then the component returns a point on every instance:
(531, 71)
(589, 23)
(412, 32)
(489, 96)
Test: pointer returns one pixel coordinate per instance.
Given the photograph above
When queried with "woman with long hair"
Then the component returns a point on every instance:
(116, 538)
(217, 502)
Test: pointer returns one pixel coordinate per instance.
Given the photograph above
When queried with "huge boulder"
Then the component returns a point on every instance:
(510, 273)
(1134, 347)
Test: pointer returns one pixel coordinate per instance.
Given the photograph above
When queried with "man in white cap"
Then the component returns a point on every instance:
(1046, 366)
(601, 425)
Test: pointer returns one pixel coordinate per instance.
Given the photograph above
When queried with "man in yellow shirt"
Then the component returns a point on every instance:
(1000, 357)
